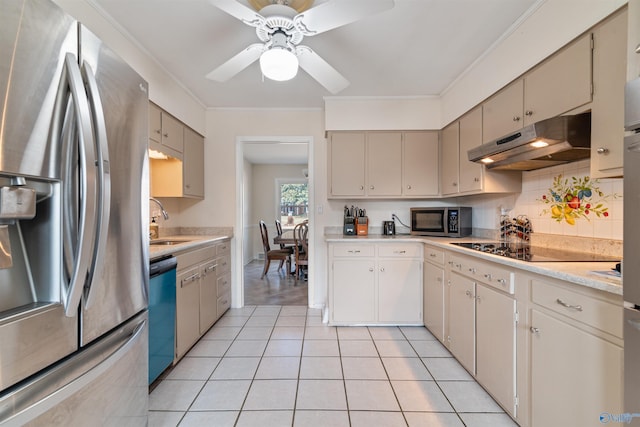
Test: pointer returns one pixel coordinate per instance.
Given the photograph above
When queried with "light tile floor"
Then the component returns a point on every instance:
(274, 366)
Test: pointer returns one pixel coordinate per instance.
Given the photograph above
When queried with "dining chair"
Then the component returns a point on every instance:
(283, 255)
(282, 245)
(301, 248)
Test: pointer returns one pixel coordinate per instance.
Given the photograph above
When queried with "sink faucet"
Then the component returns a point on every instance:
(165, 214)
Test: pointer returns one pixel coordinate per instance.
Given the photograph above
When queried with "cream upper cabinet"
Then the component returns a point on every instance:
(193, 164)
(559, 84)
(450, 159)
(503, 112)
(420, 172)
(165, 132)
(470, 137)
(384, 163)
(155, 123)
(346, 164)
(172, 132)
(459, 175)
(607, 109)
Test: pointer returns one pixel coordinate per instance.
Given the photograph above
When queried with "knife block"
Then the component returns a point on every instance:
(349, 226)
(362, 226)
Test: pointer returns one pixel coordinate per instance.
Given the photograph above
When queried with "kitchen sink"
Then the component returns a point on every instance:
(167, 242)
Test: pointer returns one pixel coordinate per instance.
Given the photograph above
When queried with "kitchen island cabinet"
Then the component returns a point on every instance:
(375, 284)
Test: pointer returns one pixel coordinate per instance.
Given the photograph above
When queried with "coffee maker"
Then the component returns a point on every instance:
(388, 228)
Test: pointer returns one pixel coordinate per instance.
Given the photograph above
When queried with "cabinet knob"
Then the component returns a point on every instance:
(638, 49)
(468, 293)
(472, 270)
(166, 135)
(602, 150)
(516, 118)
(382, 269)
(372, 187)
(439, 279)
(476, 179)
(371, 269)
(432, 255)
(408, 187)
(534, 330)
(362, 187)
(455, 184)
(528, 113)
(487, 276)
(502, 281)
(157, 131)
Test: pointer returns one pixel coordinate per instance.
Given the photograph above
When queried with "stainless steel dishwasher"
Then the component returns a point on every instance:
(162, 314)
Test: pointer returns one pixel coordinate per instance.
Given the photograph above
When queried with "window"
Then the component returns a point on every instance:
(293, 203)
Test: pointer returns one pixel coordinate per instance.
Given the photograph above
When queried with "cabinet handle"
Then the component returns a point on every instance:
(638, 49)
(468, 293)
(191, 278)
(382, 269)
(573, 307)
(502, 281)
(354, 252)
(225, 302)
(187, 186)
(516, 118)
(166, 135)
(432, 255)
(450, 262)
(487, 276)
(455, 184)
(534, 330)
(528, 113)
(476, 179)
(472, 270)
(602, 150)
(458, 266)
(399, 252)
(371, 269)
(157, 131)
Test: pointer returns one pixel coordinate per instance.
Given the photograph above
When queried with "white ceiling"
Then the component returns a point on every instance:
(419, 47)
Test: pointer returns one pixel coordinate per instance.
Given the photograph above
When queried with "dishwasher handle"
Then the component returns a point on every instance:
(162, 265)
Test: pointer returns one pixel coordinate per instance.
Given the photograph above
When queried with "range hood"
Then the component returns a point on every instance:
(549, 142)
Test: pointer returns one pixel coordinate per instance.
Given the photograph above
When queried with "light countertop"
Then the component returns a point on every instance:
(183, 243)
(574, 272)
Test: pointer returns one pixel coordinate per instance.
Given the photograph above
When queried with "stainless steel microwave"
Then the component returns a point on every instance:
(442, 221)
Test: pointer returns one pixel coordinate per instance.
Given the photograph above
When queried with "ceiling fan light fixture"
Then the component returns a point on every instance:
(279, 64)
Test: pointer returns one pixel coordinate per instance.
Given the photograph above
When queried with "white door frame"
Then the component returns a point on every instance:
(237, 287)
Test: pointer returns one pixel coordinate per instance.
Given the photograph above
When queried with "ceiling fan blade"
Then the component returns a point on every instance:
(240, 11)
(320, 70)
(336, 13)
(236, 64)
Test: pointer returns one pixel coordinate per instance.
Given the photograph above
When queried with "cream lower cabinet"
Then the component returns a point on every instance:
(202, 283)
(575, 339)
(375, 284)
(434, 291)
(461, 315)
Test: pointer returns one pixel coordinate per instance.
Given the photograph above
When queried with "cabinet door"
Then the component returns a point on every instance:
(559, 84)
(433, 301)
(496, 345)
(172, 133)
(384, 163)
(353, 291)
(155, 123)
(575, 376)
(470, 137)
(450, 159)
(208, 296)
(346, 163)
(502, 113)
(462, 316)
(187, 310)
(400, 290)
(193, 164)
(607, 110)
(420, 171)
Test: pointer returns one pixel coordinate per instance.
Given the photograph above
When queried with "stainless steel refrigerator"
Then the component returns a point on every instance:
(73, 206)
(631, 266)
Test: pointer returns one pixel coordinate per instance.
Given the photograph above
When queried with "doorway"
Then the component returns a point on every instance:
(272, 174)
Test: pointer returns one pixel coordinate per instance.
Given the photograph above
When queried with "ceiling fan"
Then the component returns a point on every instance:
(281, 25)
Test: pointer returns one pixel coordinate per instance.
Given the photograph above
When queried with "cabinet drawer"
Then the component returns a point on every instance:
(189, 277)
(591, 311)
(224, 302)
(485, 272)
(223, 248)
(353, 250)
(433, 255)
(224, 284)
(223, 264)
(193, 257)
(402, 251)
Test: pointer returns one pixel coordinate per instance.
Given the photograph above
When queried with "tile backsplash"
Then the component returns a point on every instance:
(537, 183)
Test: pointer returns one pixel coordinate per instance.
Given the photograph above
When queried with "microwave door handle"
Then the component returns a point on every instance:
(103, 181)
(87, 186)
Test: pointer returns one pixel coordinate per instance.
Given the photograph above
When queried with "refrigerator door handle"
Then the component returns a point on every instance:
(83, 252)
(634, 323)
(634, 147)
(103, 183)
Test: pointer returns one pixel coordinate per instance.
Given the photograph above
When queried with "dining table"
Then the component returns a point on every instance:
(286, 238)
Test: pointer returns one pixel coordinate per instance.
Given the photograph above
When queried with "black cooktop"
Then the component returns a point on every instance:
(529, 253)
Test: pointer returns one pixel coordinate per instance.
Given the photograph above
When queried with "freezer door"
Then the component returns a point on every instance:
(103, 385)
(119, 285)
(31, 61)
(631, 249)
(632, 365)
